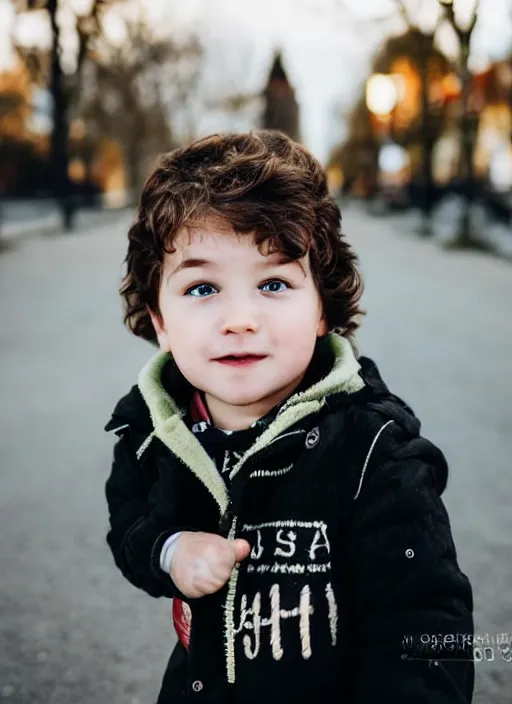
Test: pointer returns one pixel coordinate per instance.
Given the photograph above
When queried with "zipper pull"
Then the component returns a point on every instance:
(225, 521)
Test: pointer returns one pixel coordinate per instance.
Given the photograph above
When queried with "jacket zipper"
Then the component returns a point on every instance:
(229, 618)
(229, 607)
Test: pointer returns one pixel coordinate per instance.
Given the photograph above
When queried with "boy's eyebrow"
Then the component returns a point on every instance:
(195, 263)
(190, 263)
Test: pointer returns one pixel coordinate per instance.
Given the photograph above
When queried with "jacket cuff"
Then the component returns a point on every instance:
(168, 550)
(155, 558)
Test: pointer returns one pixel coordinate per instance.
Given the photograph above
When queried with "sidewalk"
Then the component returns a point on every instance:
(49, 222)
(493, 236)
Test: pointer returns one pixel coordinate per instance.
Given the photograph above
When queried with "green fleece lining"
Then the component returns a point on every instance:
(172, 431)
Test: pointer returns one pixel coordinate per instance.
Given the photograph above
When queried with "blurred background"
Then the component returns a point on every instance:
(408, 105)
(407, 102)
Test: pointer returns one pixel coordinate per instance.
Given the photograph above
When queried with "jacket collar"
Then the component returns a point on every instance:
(167, 411)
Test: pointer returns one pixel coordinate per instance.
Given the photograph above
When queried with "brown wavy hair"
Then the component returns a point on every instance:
(262, 183)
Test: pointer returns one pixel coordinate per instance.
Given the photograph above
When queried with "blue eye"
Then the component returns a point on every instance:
(198, 287)
(194, 288)
(276, 281)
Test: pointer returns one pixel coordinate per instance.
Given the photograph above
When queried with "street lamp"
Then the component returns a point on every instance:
(381, 98)
(381, 94)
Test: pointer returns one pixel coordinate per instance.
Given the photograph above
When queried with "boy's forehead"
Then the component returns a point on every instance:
(207, 230)
(217, 238)
(212, 240)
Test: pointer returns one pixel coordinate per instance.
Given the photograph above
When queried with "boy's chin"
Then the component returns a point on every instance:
(244, 398)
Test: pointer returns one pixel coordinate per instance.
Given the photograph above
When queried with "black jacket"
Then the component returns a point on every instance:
(352, 592)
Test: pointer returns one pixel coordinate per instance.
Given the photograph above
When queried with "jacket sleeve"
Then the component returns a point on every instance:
(412, 605)
(143, 514)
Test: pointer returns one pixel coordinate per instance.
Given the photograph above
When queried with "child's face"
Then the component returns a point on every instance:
(240, 302)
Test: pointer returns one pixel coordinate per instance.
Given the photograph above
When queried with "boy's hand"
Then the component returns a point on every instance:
(202, 562)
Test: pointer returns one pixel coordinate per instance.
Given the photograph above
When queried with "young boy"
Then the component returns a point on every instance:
(265, 478)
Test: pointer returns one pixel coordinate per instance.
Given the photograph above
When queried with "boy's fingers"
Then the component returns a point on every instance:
(241, 549)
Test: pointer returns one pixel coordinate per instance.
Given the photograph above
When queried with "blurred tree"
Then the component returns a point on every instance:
(63, 85)
(427, 60)
(134, 88)
(357, 157)
(416, 121)
(468, 118)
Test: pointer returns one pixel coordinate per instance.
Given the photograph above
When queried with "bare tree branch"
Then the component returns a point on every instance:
(449, 11)
(439, 21)
(463, 35)
(468, 119)
(405, 15)
(411, 24)
(134, 92)
(474, 19)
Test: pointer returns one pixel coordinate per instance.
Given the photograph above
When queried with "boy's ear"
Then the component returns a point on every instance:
(160, 331)
(322, 327)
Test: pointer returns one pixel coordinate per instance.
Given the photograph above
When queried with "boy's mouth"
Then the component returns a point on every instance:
(241, 359)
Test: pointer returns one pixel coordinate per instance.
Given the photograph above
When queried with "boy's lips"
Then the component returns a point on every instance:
(240, 359)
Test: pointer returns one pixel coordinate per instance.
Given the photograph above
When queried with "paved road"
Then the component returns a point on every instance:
(27, 219)
(71, 629)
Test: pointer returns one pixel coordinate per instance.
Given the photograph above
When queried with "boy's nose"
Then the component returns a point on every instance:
(239, 319)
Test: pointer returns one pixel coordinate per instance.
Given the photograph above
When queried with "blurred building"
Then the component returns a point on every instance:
(25, 129)
(490, 113)
(281, 111)
(492, 102)
(15, 96)
(21, 149)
